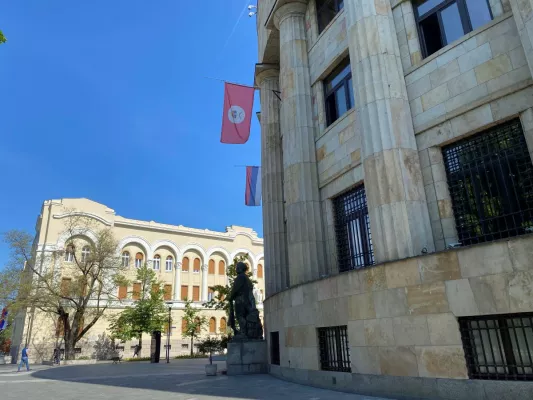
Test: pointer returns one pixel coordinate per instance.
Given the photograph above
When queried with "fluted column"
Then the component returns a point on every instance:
(203, 294)
(399, 218)
(305, 237)
(177, 281)
(523, 16)
(274, 235)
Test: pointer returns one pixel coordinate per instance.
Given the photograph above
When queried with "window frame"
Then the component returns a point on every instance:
(334, 351)
(139, 260)
(125, 258)
(156, 262)
(85, 253)
(69, 253)
(463, 14)
(171, 259)
(344, 82)
(322, 7)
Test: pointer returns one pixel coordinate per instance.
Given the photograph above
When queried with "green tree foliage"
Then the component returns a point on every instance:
(2, 38)
(78, 305)
(148, 314)
(210, 346)
(193, 323)
(221, 292)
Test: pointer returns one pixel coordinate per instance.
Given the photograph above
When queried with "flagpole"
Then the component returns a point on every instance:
(233, 83)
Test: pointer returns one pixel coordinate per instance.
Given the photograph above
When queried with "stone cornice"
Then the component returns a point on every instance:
(265, 71)
(272, 22)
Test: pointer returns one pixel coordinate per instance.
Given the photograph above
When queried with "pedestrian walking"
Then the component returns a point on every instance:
(24, 359)
(57, 356)
(136, 351)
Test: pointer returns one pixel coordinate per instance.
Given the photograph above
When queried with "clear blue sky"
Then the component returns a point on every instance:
(107, 100)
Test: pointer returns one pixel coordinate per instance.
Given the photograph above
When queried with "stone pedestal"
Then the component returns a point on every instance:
(247, 357)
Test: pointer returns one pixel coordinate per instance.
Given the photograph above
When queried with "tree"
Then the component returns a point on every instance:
(220, 299)
(210, 346)
(148, 314)
(193, 323)
(79, 292)
(2, 38)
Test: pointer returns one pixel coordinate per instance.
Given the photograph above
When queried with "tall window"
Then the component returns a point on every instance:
(167, 292)
(125, 259)
(85, 252)
(210, 294)
(183, 325)
(326, 11)
(136, 292)
(338, 92)
(185, 264)
(157, 262)
(168, 264)
(352, 229)
(221, 268)
(69, 254)
(441, 22)
(196, 293)
(498, 347)
(212, 325)
(260, 270)
(122, 292)
(139, 260)
(196, 266)
(66, 284)
(184, 292)
(211, 267)
(223, 325)
(490, 178)
(334, 349)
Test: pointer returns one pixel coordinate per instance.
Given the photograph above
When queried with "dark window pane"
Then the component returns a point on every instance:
(451, 21)
(326, 11)
(331, 108)
(425, 6)
(431, 33)
(337, 76)
(340, 95)
(350, 92)
(479, 13)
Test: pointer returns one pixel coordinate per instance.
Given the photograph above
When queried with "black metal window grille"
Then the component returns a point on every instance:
(334, 349)
(498, 347)
(441, 22)
(338, 92)
(490, 177)
(326, 11)
(352, 230)
(274, 348)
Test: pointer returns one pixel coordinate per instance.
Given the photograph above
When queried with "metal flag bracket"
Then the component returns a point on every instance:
(277, 93)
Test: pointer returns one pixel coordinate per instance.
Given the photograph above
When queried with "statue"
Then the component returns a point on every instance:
(244, 309)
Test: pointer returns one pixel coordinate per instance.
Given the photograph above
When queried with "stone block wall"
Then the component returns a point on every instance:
(402, 316)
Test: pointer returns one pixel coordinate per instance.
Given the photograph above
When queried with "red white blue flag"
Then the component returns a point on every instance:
(252, 196)
(3, 319)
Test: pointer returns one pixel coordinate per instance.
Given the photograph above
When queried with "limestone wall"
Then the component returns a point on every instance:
(402, 316)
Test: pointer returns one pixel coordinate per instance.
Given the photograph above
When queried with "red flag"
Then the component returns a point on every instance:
(237, 117)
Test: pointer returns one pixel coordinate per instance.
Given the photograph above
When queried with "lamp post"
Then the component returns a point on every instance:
(168, 331)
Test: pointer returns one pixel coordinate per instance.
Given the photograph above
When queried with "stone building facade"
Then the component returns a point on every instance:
(188, 262)
(398, 195)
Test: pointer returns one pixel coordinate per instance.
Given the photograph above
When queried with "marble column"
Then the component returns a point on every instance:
(203, 293)
(274, 235)
(399, 218)
(303, 212)
(523, 16)
(177, 281)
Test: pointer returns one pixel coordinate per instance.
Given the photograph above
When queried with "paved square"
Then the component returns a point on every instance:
(179, 380)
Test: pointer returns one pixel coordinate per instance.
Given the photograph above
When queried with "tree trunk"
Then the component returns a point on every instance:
(69, 346)
(192, 347)
(140, 344)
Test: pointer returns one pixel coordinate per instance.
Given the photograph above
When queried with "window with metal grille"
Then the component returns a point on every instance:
(326, 11)
(338, 92)
(352, 230)
(490, 177)
(440, 22)
(334, 349)
(274, 348)
(498, 347)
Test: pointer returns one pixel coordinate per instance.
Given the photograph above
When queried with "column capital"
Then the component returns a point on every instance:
(264, 72)
(296, 7)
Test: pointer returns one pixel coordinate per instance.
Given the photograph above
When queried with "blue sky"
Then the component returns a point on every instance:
(107, 100)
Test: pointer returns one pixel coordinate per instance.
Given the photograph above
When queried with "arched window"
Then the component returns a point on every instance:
(210, 294)
(221, 268)
(157, 262)
(185, 264)
(85, 252)
(196, 265)
(168, 264)
(197, 323)
(223, 325)
(125, 259)
(259, 270)
(69, 253)
(211, 268)
(139, 260)
(212, 325)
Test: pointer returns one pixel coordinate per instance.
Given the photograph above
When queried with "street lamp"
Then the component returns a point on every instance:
(168, 331)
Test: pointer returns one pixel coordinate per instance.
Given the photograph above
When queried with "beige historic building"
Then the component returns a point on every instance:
(188, 262)
(398, 195)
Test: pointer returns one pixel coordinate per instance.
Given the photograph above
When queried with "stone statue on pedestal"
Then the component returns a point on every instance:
(242, 307)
